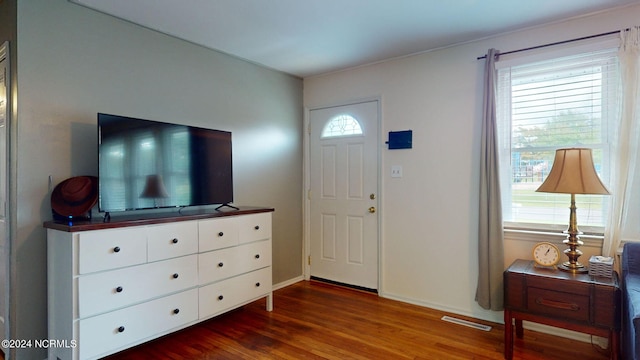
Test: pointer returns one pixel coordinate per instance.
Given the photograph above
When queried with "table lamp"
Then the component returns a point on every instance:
(573, 173)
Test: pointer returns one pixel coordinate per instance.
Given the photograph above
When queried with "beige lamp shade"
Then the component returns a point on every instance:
(573, 173)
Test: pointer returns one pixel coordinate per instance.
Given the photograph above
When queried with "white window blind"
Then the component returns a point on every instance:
(543, 106)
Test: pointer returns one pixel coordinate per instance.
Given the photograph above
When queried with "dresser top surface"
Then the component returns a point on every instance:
(528, 268)
(127, 220)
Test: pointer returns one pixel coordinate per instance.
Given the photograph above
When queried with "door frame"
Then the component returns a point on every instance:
(306, 226)
(6, 260)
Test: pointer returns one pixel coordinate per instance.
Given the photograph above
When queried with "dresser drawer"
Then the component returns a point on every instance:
(226, 294)
(254, 227)
(217, 233)
(225, 263)
(255, 256)
(111, 249)
(105, 291)
(172, 240)
(103, 334)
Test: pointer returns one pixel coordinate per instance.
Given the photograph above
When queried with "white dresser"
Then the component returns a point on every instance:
(117, 284)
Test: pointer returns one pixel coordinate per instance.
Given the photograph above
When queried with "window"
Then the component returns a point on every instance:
(543, 106)
(342, 125)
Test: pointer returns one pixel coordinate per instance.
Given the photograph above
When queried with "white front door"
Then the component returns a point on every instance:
(343, 160)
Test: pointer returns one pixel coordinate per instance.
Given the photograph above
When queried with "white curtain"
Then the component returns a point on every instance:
(625, 149)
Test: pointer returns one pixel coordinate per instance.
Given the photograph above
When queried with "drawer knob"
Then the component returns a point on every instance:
(257, 284)
(116, 249)
(119, 289)
(220, 233)
(220, 264)
(175, 276)
(175, 311)
(220, 297)
(175, 240)
(121, 329)
(257, 227)
(257, 256)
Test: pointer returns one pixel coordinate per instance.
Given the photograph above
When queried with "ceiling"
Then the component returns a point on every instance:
(311, 37)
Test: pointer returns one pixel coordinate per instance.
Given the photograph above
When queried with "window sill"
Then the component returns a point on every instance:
(553, 228)
(553, 236)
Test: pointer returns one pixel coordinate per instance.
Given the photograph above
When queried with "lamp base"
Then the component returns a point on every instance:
(576, 268)
(573, 241)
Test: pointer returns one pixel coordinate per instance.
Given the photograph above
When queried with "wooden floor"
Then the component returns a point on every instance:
(313, 320)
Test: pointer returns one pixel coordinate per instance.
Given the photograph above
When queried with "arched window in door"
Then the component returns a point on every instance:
(342, 125)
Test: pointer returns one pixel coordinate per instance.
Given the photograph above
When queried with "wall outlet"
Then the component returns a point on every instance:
(396, 171)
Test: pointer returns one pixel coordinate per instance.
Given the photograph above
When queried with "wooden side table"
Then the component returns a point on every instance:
(577, 302)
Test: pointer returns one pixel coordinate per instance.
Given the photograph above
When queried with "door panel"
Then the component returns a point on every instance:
(344, 187)
(356, 240)
(328, 237)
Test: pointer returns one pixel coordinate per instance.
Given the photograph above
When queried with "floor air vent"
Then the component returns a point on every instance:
(466, 323)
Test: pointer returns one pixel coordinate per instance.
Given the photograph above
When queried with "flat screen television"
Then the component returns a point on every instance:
(145, 164)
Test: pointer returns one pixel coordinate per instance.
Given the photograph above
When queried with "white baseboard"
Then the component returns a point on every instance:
(287, 283)
(492, 316)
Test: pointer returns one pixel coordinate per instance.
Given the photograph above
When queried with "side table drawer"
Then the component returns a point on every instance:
(558, 304)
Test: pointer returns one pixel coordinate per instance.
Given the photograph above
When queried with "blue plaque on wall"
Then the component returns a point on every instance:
(400, 139)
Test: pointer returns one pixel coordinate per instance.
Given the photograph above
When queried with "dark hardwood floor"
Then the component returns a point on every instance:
(313, 320)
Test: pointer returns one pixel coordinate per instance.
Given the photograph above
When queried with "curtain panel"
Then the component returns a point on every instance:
(625, 148)
(489, 293)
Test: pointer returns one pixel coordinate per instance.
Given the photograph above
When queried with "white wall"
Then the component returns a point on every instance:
(74, 62)
(429, 216)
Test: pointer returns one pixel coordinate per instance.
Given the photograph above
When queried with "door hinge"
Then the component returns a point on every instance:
(309, 194)
(309, 260)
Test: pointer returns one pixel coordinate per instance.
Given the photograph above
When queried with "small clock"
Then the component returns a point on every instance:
(546, 254)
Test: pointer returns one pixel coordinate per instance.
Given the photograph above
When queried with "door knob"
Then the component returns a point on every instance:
(372, 209)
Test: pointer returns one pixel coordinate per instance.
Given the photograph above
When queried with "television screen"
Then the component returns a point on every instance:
(145, 164)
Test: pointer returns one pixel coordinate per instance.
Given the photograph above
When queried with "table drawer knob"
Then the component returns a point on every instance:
(116, 249)
(175, 276)
(174, 241)
(220, 297)
(121, 329)
(119, 289)
(175, 311)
